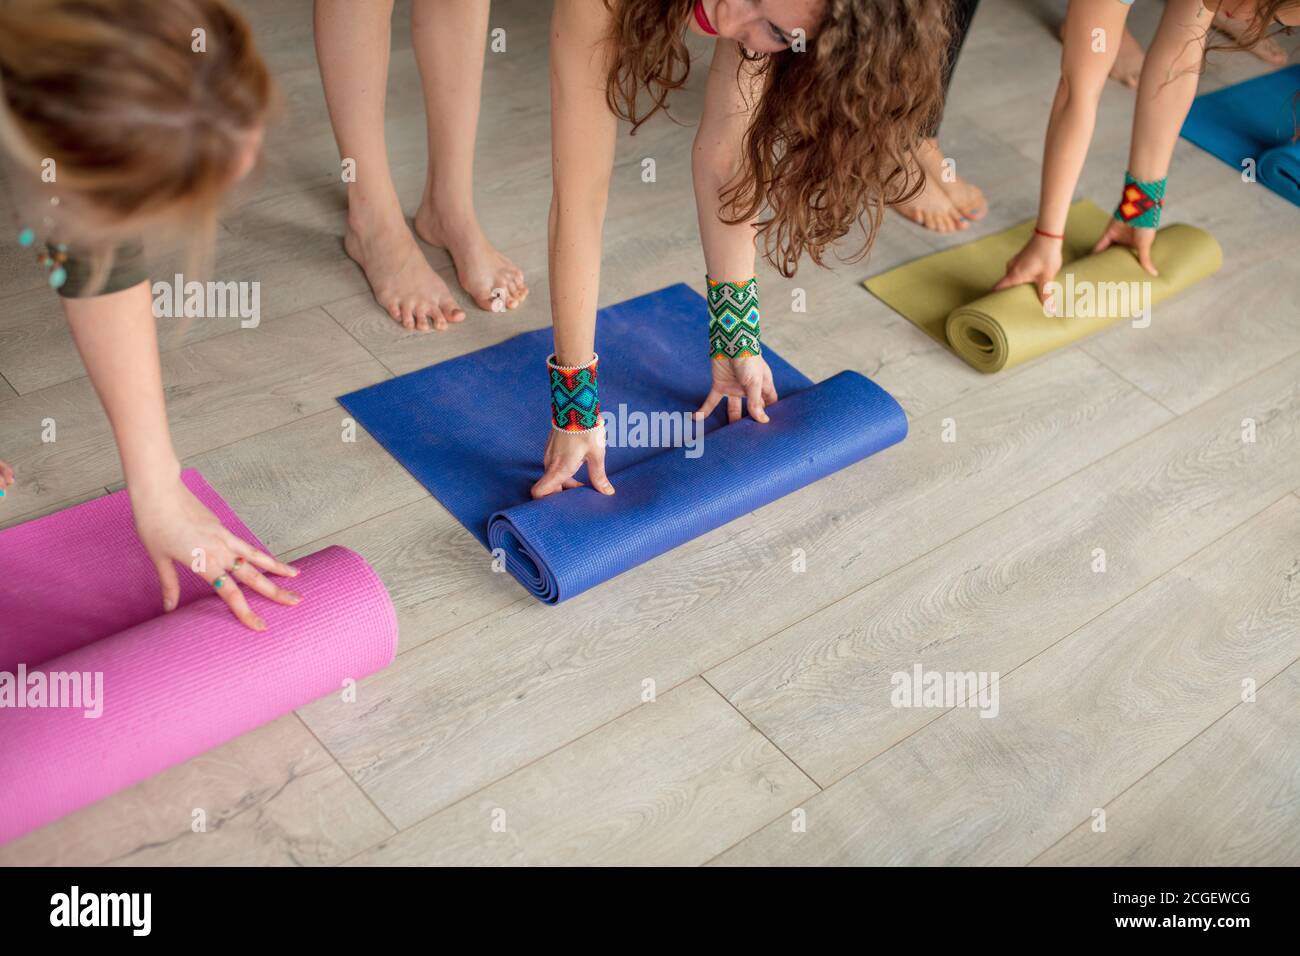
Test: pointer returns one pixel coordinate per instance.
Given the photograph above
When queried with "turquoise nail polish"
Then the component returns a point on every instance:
(27, 237)
(58, 277)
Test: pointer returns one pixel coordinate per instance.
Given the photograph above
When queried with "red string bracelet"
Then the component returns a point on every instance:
(1047, 235)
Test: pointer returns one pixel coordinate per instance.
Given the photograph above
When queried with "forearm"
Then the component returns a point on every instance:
(574, 266)
(1084, 69)
(1170, 76)
(728, 247)
(1069, 134)
(582, 158)
(715, 161)
(118, 342)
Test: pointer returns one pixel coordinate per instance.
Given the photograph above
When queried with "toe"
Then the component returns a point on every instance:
(451, 311)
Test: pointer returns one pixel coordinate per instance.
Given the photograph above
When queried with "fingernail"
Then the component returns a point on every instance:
(169, 604)
(293, 572)
(259, 624)
(293, 598)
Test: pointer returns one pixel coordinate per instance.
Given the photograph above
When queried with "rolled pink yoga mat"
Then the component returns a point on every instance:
(78, 595)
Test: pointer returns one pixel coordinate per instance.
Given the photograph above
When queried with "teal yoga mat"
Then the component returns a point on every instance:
(1255, 120)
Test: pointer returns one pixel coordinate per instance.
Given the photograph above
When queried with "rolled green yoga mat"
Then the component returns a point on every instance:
(947, 294)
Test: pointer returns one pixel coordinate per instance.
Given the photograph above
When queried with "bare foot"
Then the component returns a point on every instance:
(967, 197)
(1128, 64)
(493, 281)
(940, 206)
(403, 282)
(1267, 49)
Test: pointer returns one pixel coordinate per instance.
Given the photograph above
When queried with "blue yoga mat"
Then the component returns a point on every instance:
(473, 430)
(1253, 120)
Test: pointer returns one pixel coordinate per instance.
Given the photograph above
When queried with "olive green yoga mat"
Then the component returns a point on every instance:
(948, 294)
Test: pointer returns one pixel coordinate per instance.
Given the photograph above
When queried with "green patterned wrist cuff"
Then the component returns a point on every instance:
(575, 399)
(733, 319)
(1141, 203)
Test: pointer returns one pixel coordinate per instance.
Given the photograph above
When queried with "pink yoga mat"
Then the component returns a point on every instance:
(78, 595)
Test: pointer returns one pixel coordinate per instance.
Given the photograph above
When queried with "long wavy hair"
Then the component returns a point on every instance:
(1263, 24)
(833, 134)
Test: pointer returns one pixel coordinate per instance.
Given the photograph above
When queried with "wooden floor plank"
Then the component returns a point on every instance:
(219, 391)
(1075, 726)
(998, 595)
(1231, 797)
(669, 783)
(301, 482)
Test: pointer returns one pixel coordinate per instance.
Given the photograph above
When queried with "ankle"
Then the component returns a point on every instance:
(455, 214)
(368, 215)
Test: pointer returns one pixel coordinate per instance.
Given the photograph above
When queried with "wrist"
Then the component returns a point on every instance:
(153, 477)
(734, 320)
(1141, 203)
(575, 395)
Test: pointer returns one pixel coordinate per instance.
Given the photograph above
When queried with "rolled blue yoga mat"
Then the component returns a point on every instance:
(473, 430)
(1253, 120)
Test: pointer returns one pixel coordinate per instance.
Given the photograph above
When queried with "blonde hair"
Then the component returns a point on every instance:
(145, 129)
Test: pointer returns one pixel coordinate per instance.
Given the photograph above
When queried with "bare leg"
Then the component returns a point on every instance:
(352, 47)
(450, 37)
(1128, 65)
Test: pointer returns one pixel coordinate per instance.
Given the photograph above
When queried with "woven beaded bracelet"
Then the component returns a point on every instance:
(733, 319)
(1141, 203)
(575, 397)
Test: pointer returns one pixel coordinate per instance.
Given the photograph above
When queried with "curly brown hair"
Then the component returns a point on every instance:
(1264, 22)
(832, 137)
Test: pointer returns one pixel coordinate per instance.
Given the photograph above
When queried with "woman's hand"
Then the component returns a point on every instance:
(1139, 240)
(1038, 262)
(566, 452)
(173, 525)
(733, 379)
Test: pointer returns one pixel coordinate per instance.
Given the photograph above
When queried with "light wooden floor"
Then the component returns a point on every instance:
(1121, 690)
